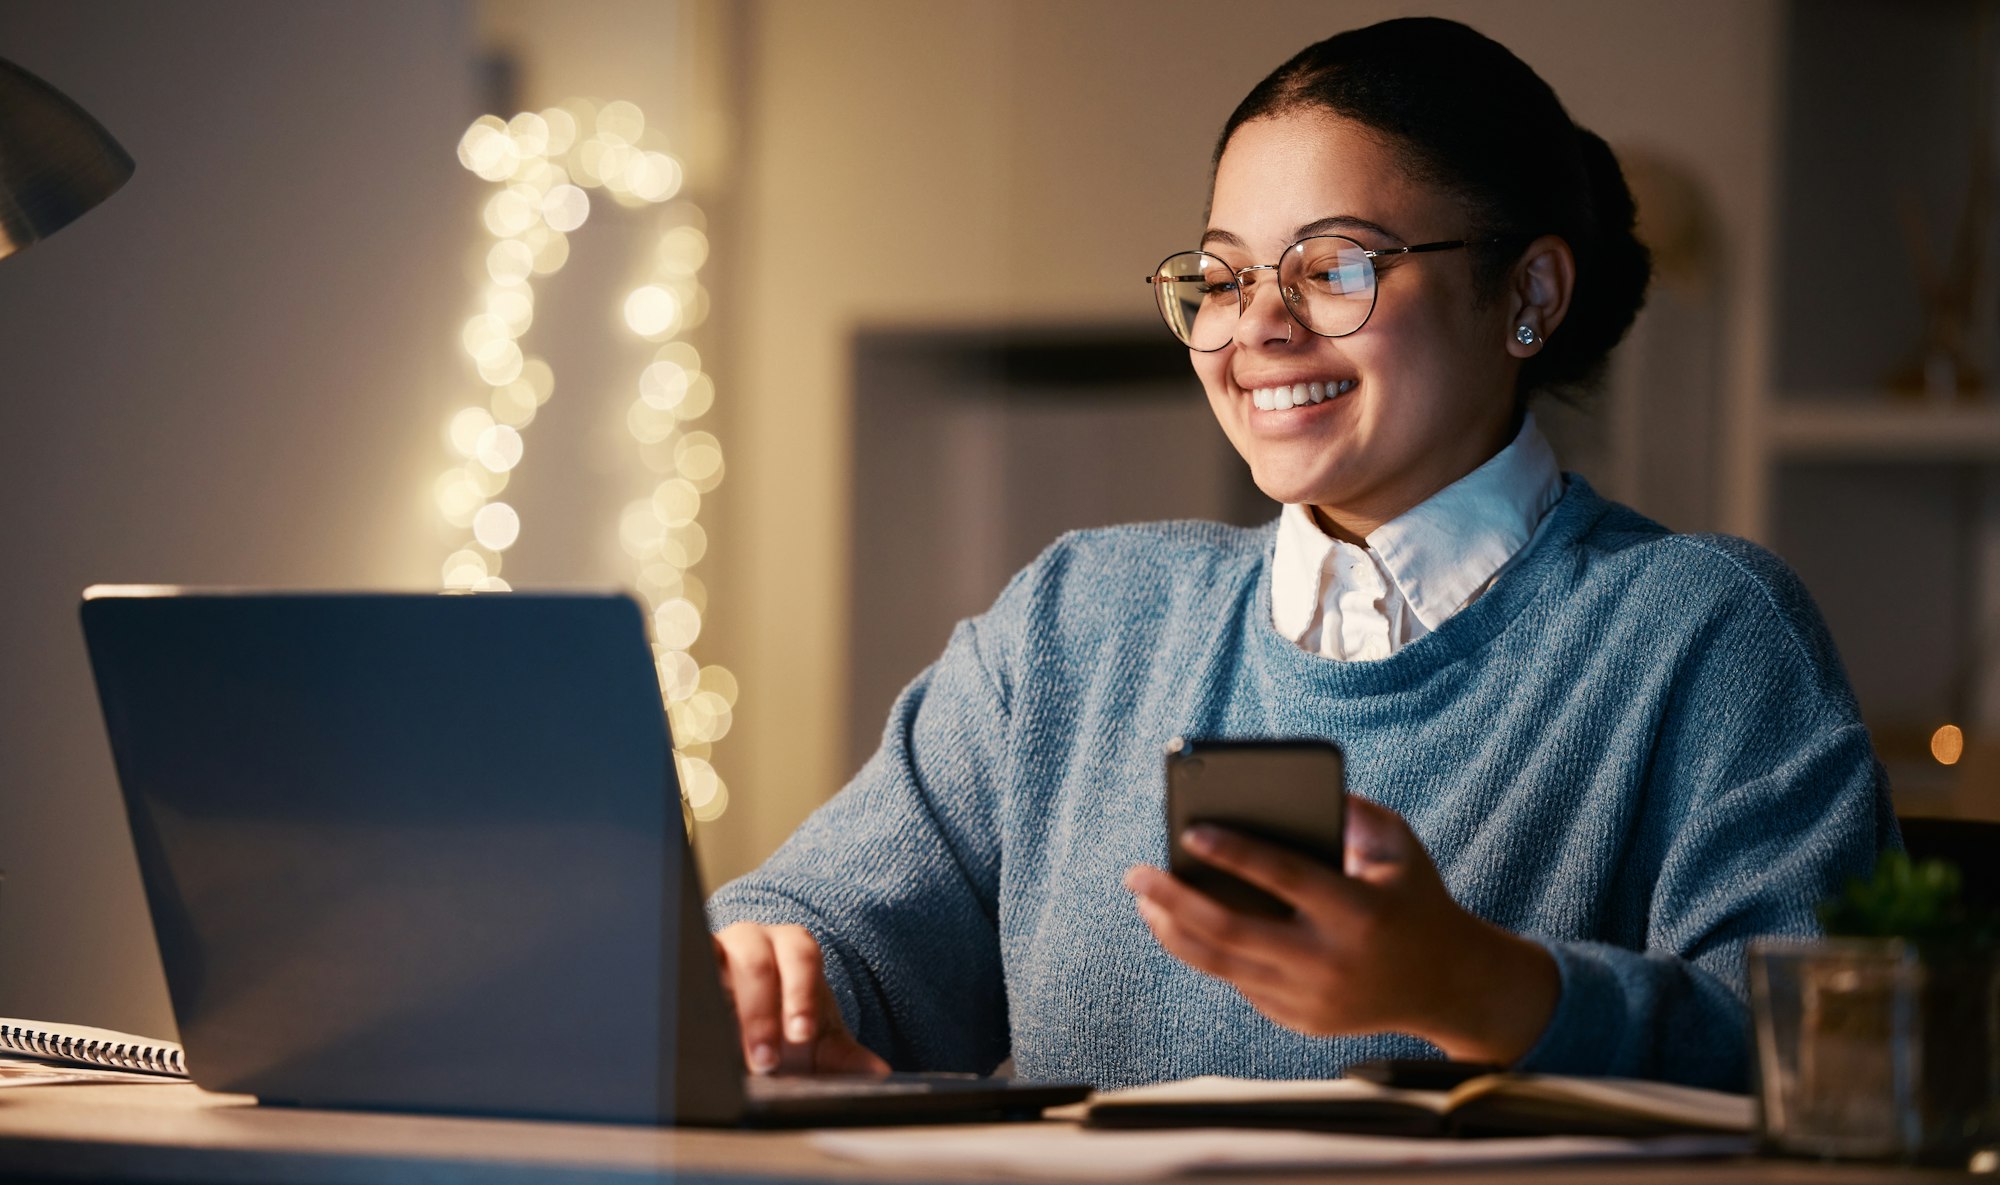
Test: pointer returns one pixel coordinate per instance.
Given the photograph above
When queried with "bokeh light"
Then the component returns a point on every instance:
(499, 448)
(541, 165)
(530, 134)
(499, 361)
(464, 568)
(464, 430)
(513, 308)
(565, 207)
(510, 262)
(700, 397)
(515, 404)
(676, 502)
(458, 497)
(1948, 744)
(676, 623)
(683, 250)
(652, 176)
(621, 122)
(486, 150)
(562, 129)
(663, 385)
(511, 211)
(648, 424)
(540, 377)
(480, 331)
(698, 458)
(489, 482)
(680, 675)
(496, 526)
(706, 795)
(549, 247)
(652, 311)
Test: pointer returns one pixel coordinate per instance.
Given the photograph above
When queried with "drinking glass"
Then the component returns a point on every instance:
(1872, 1049)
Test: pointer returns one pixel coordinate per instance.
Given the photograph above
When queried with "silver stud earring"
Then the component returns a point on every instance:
(1526, 335)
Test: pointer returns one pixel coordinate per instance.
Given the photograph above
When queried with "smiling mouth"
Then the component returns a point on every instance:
(1292, 395)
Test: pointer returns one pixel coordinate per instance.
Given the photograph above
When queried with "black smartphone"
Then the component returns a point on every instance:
(1290, 793)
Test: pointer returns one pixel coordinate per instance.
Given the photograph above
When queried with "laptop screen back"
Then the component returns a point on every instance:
(415, 851)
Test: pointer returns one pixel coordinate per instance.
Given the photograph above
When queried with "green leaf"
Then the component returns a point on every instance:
(1921, 901)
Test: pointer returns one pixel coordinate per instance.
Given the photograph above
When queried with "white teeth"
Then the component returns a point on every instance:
(1292, 395)
(1298, 394)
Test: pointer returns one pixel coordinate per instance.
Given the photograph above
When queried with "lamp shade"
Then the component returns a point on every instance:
(55, 160)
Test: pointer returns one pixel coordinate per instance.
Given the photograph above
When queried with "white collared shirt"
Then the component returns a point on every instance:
(1357, 603)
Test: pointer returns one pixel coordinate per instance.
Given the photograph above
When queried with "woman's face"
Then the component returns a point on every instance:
(1426, 386)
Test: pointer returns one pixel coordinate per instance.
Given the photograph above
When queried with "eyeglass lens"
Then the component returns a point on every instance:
(1327, 281)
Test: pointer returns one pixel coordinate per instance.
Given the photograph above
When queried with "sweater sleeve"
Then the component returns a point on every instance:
(897, 876)
(1763, 796)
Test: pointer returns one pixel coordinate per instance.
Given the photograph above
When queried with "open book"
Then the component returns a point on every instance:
(1492, 1105)
(91, 1047)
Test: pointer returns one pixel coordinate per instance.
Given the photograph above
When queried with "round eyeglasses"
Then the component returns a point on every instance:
(1328, 283)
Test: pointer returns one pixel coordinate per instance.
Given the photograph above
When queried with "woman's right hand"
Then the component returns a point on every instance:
(784, 1009)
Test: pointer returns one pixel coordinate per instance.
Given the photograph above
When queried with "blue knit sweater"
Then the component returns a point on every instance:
(1638, 748)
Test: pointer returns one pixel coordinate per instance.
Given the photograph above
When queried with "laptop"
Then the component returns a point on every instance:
(426, 852)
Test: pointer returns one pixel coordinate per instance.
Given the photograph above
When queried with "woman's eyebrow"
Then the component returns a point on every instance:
(1345, 222)
(1319, 226)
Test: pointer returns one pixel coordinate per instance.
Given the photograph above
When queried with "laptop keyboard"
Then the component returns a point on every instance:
(842, 1086)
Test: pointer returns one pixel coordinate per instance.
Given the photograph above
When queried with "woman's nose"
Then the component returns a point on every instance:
(1264, 321)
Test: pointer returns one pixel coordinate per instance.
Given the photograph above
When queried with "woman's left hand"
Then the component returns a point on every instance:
(1383, 948)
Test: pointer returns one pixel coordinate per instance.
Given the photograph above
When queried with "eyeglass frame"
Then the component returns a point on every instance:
(1369, 253)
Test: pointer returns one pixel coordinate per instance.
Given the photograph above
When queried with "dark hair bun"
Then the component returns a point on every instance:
(1613, 271)
(1476, 121)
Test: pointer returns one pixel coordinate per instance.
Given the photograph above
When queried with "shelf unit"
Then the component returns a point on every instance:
(1884, 429)
(1888, 505)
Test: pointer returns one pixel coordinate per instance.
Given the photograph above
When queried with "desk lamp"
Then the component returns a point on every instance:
(55, 160)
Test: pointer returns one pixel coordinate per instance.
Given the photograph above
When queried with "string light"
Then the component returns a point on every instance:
(543, 165)
(662, 531)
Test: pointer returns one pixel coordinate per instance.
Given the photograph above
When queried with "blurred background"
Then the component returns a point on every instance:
(812, 322)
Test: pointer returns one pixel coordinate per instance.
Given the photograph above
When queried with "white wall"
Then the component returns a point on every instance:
(232, 372)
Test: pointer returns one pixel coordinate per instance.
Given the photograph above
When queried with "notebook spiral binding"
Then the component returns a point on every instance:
(114, 1055)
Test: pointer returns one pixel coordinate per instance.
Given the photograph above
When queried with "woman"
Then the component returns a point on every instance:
(1589, 758)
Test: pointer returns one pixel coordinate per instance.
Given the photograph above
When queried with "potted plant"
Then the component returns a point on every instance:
(1882, 1040)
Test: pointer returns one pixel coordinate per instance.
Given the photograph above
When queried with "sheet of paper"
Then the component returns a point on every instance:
(1687, 1105)
(1066, 1151)
(21, 1071)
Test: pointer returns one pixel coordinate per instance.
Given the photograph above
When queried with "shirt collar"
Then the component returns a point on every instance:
(1296, 568)
(1443, 551)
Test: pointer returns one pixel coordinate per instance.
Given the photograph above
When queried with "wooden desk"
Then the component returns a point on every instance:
(179, 1133)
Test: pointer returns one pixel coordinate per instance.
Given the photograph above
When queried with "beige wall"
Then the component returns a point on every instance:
(231, 373)
(961, 162)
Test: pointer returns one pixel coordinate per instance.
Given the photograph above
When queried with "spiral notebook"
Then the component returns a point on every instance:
(91, 1047)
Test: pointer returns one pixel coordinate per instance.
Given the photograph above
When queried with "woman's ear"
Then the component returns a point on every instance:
(1538, 294)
